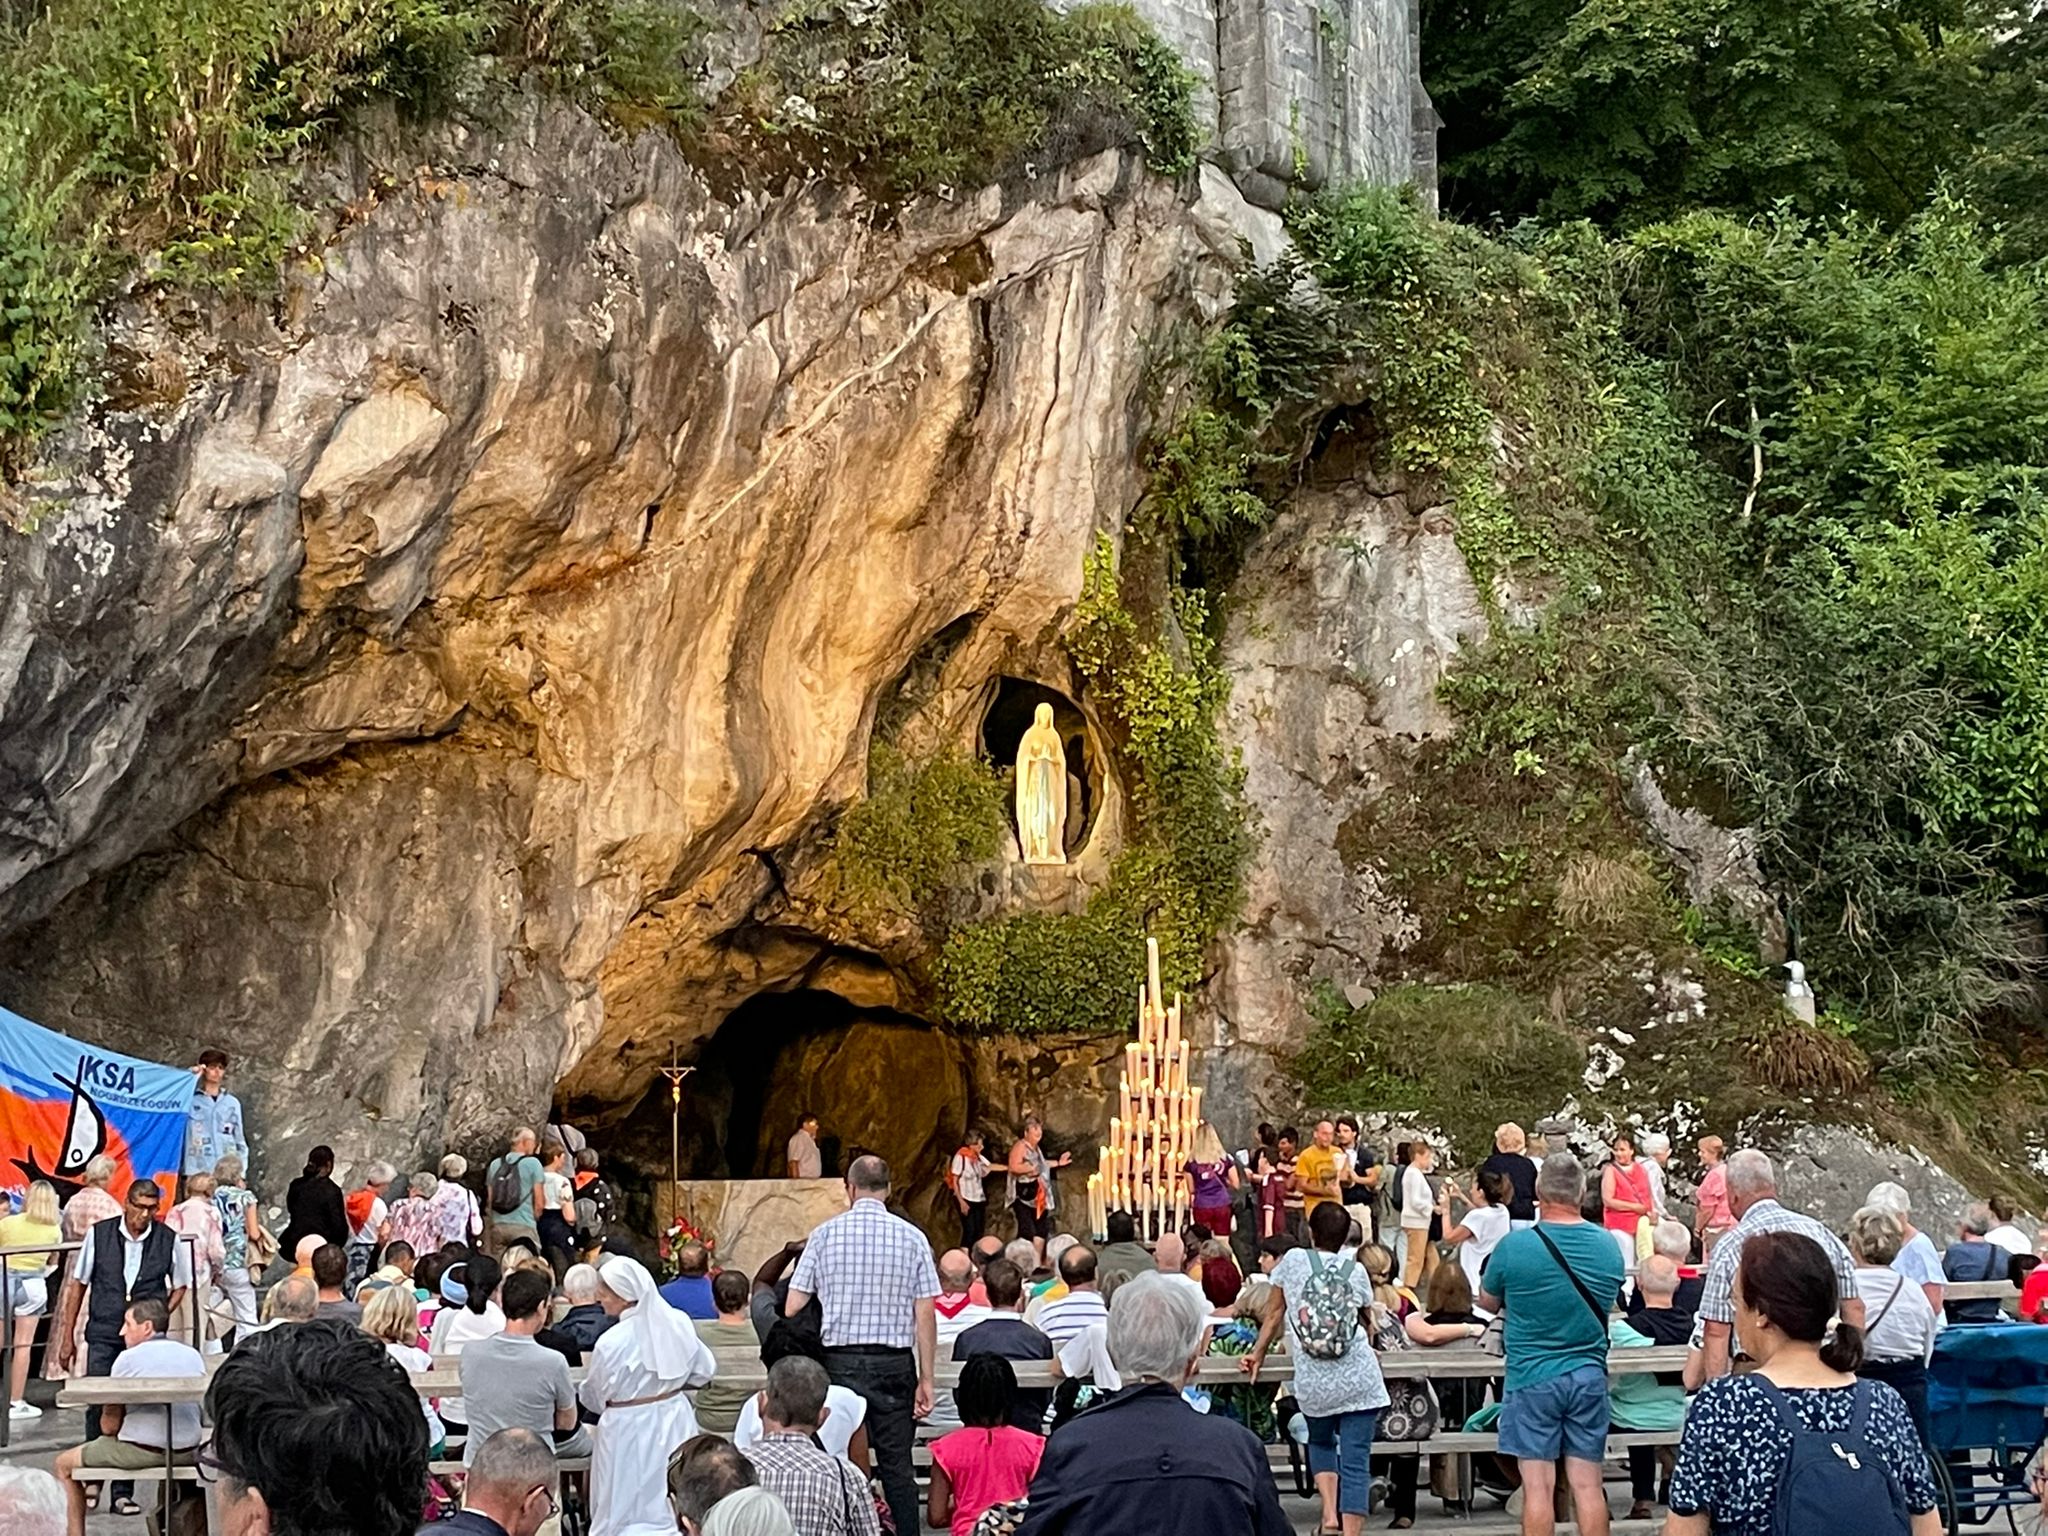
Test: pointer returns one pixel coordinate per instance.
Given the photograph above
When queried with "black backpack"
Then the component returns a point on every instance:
(1833, 1479)
(507, 1190)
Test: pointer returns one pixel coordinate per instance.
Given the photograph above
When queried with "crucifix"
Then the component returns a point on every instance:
(675, 1072)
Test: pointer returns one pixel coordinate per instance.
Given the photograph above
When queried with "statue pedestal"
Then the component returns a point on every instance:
(750, 1219)
(1053, 888)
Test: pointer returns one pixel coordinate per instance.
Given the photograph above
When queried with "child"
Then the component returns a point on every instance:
(990, 1461)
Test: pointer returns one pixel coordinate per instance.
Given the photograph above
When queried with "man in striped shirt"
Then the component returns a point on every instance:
(1081, 1307)
(1753, 1197)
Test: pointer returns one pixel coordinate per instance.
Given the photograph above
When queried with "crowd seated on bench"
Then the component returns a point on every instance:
(1086, 1392)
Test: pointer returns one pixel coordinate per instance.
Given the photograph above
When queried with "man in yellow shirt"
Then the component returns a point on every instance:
(1315, 1170)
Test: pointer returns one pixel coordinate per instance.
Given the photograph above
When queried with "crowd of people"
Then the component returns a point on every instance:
(795, 1399)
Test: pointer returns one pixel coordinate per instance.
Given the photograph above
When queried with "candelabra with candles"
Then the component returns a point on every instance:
(1152, 1135)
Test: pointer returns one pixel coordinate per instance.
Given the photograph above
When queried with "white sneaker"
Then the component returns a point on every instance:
(23, 1410)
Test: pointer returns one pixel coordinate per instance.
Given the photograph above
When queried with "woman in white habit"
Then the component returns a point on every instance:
(639, 1372)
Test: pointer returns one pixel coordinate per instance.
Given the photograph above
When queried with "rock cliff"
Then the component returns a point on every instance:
(415, 687)
(438, 686)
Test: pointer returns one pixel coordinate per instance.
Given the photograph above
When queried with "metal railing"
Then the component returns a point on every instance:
(54, 1309)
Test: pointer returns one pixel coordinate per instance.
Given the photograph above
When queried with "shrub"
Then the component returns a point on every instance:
(164, 137)
(1460, 1057)
(919, 826)
(918, 95)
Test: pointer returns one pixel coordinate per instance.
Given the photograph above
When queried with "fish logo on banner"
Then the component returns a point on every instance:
(64, 1103)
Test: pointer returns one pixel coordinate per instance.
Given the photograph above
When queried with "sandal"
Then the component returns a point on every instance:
(126, 1507)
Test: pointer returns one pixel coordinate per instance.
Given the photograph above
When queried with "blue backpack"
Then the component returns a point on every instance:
(1833, 1479)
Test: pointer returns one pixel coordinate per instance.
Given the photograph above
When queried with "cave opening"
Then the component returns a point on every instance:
(879, 1081)
(1010, 715)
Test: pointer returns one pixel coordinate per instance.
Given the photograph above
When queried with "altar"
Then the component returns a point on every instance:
(750, 1218)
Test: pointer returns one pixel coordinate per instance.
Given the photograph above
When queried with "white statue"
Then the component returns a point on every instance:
(1799, 998)
(1042, 792)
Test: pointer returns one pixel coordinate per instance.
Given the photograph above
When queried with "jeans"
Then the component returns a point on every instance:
(887, 1380)
(1342, 1443)
(1565, 1416)
(100, 1355)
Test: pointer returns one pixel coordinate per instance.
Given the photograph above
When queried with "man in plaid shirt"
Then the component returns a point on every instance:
(824, 1494)
(1753, 1196)
(872, 1273)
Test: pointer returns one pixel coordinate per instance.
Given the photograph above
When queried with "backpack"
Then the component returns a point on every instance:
(593, 1208)
(507, 1190)
(1326, 1317)
(1833, 1479)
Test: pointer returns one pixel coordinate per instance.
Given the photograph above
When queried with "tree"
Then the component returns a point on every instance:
(1627, 111)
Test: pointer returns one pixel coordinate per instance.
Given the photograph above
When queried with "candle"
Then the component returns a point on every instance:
(1173, 1022)
(1152, 970)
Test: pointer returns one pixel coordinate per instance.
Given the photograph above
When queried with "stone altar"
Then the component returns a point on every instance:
(750, 1218)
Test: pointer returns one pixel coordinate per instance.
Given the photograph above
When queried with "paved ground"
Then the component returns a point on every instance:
(37, 1444)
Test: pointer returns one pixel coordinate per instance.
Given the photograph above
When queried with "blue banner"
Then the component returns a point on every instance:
(63, 1103)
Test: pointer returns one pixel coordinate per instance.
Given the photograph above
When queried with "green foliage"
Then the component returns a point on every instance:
(164, 137)
(921, 95)
(2008, 174)
(1461, 1058)
(1492, 372)
(1796, 515)
(1724, 939)
(1633, 110)
(633, 58)
(1371, 326)
(896, 851)
(44, 282)
(1181, 875)
(1036, 973)
(1882, 695)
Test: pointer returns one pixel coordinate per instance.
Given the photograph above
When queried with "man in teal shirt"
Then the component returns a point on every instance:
(515, 1222)
(1557, 1282)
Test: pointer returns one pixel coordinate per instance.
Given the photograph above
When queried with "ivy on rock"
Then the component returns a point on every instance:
(1180, 877)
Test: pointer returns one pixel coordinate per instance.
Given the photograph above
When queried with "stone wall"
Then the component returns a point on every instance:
(1316, 91)
(1307, 91)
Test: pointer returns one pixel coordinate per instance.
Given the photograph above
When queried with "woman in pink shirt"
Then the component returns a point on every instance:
(1716, 1217)
(990, 1461)
(1625, 1198)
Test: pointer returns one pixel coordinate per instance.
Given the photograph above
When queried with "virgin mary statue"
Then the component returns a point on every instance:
(1042, 792)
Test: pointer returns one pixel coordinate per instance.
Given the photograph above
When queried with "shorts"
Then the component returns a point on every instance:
(1565, 1416)
(31, 1295)
(127, 1456)
(1030, 1223)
